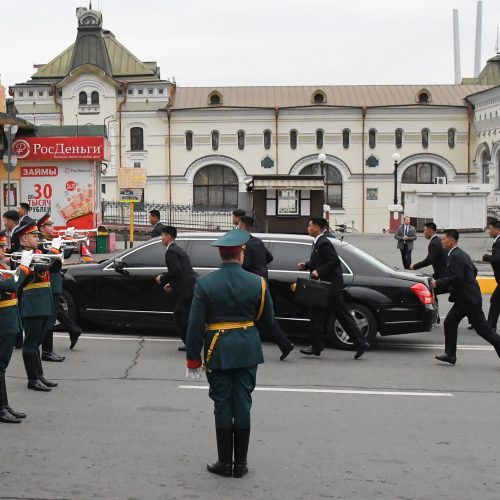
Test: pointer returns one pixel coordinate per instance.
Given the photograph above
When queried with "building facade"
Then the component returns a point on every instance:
(201, 146)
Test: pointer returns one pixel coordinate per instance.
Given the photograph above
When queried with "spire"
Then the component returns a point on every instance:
(90, 5)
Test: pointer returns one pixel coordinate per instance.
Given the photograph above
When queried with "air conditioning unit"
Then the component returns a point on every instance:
(439, 180)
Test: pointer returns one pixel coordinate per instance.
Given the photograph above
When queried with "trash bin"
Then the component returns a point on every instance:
(102, 240)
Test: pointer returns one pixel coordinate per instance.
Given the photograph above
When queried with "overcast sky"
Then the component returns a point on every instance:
(262, 42)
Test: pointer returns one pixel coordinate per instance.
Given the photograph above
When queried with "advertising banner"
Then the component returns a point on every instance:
(67, 189)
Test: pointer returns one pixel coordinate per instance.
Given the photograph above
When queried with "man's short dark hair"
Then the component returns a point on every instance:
(452, 233)
(12, 215)
(319, 221)
(239, 212)
(247, 221)
(26, 206)
(431, 225)
(155, 213)
(170, 230)
(495, 224)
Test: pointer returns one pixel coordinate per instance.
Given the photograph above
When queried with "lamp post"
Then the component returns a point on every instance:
(326, 207)
(396, 157)
(10, 161)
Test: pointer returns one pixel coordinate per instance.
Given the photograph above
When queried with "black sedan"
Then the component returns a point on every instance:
(122, 291)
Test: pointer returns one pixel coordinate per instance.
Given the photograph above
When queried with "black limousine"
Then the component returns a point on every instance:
(122, 292)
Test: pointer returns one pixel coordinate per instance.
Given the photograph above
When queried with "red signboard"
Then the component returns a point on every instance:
(60, 148)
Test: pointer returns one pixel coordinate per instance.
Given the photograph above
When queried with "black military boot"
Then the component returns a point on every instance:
(39, 371)
(5, 415)
(17, 414)
(30, 364)
(224, 465)
(48, 353)
(74, 335)
(241, 440)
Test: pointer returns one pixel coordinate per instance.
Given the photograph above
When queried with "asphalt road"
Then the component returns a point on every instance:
(125, 424)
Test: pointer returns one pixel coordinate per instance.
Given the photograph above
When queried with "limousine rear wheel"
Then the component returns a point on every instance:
(337, 337)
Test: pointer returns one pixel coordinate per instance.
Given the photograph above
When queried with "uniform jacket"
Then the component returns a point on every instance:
(325, 260)
(461, 279)
(494, 259)
(412, 236)
(228, 294)
(10, 319)
(156, 230)
(257, 257)
(180, 274)
(436, 257)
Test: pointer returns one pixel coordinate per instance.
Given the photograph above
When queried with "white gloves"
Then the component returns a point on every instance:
(26, 258)
(56, 242)
(70, 231)
(193, 373)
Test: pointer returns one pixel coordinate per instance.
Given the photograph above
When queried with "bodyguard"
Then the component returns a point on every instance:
(406, 235)
(494, 260)
(228, 304)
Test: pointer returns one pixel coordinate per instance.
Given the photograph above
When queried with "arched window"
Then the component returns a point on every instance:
(485, 167)
(319, 138)
(319, 97)
(214, 99)
(422, 173)
(451, 137)
(82, 98)
(215, 187)
(293, 139)
(267, 139)
(398, 138)
(215, 140)
(136, 139)
(425, 138)
(423, 97)
(346, 138)
(372, 138)
(241, 139)
(189, 140)
(333, 182)
(94, 97)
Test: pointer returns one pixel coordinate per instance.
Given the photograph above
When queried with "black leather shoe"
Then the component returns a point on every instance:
(221, 469)
(52, 356)
(37, 385)
(286, 352)
(361, 349)
(17, 414)
(182, 348)
(309, 351)
(7, 418)
(446, 358)
(48, 383)
(74, 336)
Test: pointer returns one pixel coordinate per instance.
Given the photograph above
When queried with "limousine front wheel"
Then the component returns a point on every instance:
(336, 335)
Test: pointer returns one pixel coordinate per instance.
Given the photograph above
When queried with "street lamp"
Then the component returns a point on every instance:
(396, 157)
(10, 161)
(326, 207)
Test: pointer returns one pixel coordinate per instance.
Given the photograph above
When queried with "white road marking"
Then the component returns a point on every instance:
(438, 346)
(339, 391)
(89, 336)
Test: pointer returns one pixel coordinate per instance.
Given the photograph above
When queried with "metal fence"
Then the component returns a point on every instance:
(180, 216)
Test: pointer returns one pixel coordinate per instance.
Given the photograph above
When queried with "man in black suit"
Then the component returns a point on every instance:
(466, 296)
(154, 220)
(256, 258)
(180, 280)
(325, 265)
(494, 260)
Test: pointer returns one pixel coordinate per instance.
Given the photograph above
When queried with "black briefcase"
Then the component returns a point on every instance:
(310, 292)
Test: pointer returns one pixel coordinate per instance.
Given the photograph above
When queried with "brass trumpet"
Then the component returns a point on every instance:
(38, 258)
(15, 274)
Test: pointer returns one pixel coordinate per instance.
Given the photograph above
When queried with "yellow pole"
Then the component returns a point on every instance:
(131, 235)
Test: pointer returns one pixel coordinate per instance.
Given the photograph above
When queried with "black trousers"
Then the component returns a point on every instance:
(494, 312)
(6, 347)
(319, 317)
(279, 336)
(181, 315)
(476, 318)
(406, 256)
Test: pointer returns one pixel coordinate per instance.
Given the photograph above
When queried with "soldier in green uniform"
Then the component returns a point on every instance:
(228, 306)
(11, 324)
(35, 308)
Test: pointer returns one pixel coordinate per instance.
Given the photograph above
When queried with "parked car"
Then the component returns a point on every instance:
(122, 291)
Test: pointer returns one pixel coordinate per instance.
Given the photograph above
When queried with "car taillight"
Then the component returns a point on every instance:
(423, 293)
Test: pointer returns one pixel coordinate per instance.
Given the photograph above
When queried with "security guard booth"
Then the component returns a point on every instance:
(285, 203)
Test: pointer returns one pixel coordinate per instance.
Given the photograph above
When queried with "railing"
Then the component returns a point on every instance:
(180, 216)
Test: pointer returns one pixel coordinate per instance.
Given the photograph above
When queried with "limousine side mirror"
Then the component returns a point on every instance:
(119, 266)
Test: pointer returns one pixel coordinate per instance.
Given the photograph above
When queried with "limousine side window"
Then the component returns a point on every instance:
(202, 254)
(152, 255)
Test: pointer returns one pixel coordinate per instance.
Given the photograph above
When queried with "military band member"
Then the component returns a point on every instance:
(227, 304)
(35, 308)
(11, 324)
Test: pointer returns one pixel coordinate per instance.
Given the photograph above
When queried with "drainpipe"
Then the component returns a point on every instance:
(124, 87)
(363, 117)
(169, 147)
(56, 102)
(470, 117)
(276, 115)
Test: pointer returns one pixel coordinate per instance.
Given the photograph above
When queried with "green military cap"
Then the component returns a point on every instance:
(235, 238)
